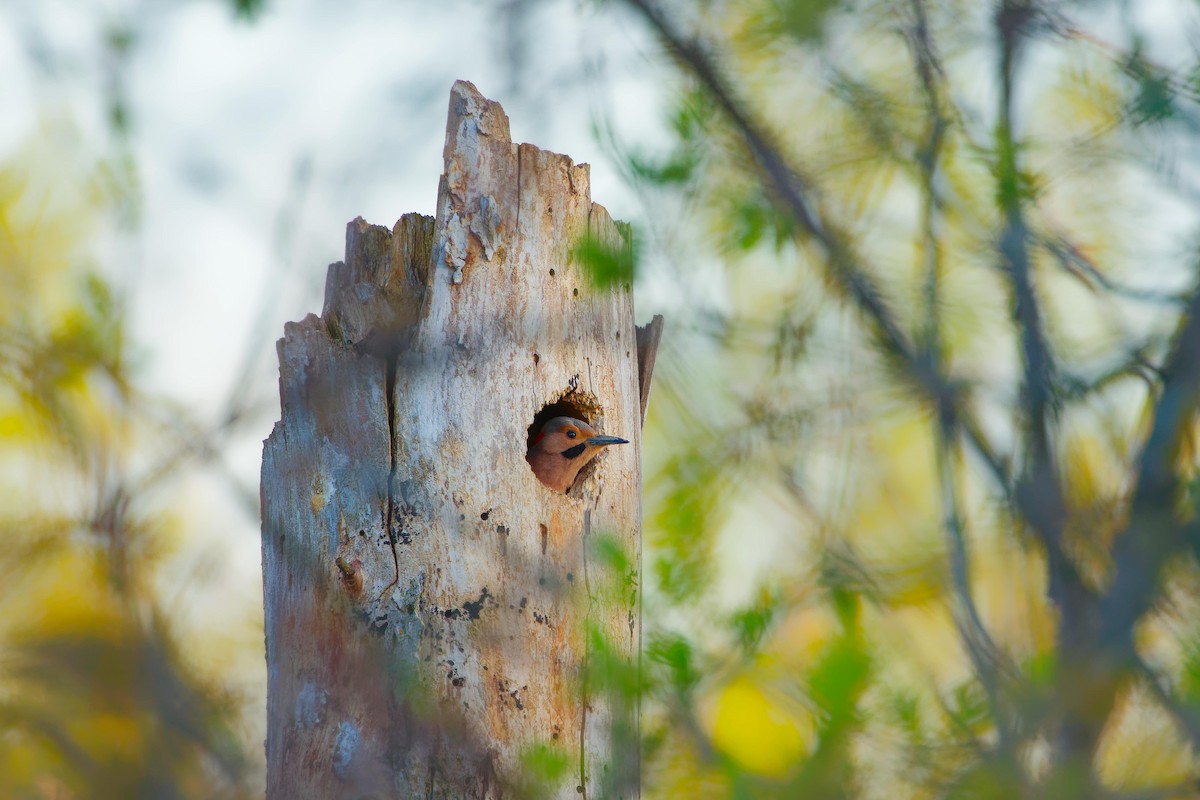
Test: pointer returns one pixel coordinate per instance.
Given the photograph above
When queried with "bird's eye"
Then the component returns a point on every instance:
(570, 434)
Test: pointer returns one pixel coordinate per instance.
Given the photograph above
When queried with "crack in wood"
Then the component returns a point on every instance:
(390, 404)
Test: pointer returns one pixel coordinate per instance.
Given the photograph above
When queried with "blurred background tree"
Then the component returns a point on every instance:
(920, 502)
(99, 697)
(923, 436)
(105, 690)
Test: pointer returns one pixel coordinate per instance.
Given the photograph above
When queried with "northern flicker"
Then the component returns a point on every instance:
(562, 447)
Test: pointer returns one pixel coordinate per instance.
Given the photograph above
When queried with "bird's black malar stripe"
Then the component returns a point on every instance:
(574, 452)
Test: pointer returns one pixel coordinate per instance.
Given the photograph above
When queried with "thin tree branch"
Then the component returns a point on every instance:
(1155, 532)
(1039, 487)
(977, 643)
(845, 267)
(929, 158)
(1075, 263)
(1104, 653)
(793, 190)
(1038, 380)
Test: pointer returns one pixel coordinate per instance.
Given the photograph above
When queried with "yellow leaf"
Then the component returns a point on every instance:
(760, 732)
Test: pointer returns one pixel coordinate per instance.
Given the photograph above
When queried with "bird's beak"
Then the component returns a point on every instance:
(602, 441)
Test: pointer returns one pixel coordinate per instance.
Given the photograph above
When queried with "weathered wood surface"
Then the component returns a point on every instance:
(426, 597)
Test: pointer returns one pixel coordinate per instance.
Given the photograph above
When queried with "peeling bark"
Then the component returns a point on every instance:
(427, 599)
(648, 337)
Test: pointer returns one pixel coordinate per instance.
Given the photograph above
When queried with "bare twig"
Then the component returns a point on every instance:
(1075, 263)
(977, 643)
(1156, 531)
(1039, 487)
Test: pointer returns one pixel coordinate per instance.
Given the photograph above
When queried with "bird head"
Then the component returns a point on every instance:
(560, 449)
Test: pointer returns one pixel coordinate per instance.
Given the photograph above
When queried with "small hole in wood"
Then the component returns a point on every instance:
(536, 359)
(485, 515)
(572, 403)
(575, 291)
(552, 272)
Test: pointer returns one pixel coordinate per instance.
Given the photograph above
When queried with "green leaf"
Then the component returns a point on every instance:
(1013, 186)
(610, 553)
(546, 764)
(752, 623)
(802, 20)
(248, 10)
(608, 264)
(675, 653)
(840, 678)
(1154, 100)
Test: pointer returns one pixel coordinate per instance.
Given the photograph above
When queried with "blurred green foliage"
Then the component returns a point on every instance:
(99, 697)
(919, 452)
(608, 264)
(249, 10)
(103, 691)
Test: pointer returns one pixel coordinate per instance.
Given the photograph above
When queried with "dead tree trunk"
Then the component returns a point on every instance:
(431, 608)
